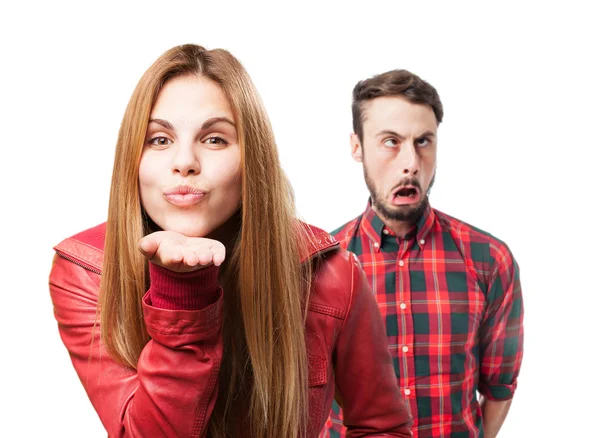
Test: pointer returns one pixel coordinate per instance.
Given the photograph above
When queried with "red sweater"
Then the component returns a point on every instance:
(182, 290)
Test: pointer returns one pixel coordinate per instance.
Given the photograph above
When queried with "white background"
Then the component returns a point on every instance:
(517, 157)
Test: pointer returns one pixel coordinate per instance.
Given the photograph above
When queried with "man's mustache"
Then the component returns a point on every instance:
(408, 182)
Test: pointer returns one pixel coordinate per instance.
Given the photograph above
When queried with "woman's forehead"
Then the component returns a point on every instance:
(191, 100)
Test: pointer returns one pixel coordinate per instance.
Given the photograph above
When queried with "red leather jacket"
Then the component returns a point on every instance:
(173, 390)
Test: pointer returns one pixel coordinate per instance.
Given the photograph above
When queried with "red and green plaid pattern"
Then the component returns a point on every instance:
(450, 298)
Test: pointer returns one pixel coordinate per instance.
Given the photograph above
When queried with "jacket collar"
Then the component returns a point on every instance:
(319, 242)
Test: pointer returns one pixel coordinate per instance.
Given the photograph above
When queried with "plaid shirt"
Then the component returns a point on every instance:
(450, 298)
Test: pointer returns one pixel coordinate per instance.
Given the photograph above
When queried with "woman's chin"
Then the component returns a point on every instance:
(189, 230)
(219, 229)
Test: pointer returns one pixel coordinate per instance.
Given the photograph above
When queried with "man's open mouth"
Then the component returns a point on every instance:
(406, 192)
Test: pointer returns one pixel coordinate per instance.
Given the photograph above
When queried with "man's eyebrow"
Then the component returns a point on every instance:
(395, 134)
(389, 132)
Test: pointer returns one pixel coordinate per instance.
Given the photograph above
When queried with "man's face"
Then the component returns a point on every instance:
(398, 153)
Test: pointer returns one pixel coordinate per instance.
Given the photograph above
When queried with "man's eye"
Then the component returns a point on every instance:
(215, 140)
(160, 141)
(422, 142)
(390, 142)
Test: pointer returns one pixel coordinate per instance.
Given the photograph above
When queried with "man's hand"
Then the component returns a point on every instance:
(179, 253)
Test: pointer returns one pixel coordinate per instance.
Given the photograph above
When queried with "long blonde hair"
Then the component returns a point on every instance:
(263, 379)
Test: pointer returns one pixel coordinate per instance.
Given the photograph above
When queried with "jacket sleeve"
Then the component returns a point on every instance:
(174, 389)
(366, 385)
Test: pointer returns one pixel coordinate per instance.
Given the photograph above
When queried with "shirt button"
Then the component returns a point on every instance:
(407, 391)
(403, 306)
(422, 241)
(376, 245)
(385, 231)
(401, 262)
(405, 349)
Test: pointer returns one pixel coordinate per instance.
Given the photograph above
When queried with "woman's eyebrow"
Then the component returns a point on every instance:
(214, 120)
(206, 125)
(162, 123)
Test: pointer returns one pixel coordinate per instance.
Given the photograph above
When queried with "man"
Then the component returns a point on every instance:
(448, 292)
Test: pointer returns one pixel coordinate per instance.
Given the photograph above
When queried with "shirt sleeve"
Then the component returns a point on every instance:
(501, 335)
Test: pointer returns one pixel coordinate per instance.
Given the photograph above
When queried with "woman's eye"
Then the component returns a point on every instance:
(390, 142)
(215, 141)
(160, 141)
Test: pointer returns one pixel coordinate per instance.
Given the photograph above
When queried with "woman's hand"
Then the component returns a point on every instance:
(179, 253)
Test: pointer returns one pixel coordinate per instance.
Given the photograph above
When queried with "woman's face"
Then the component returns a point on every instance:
(190, 177)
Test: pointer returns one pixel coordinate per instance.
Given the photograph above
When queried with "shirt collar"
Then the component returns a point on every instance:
(374, 228)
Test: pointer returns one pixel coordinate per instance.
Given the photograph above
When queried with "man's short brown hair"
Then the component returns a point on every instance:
(395, 83)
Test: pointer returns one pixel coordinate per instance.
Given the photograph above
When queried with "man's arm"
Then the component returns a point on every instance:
(501, 342)
(494, 414)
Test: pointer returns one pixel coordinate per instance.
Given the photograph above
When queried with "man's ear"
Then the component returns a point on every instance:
(355, 148)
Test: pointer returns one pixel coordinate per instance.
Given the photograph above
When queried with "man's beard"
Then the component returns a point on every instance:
(405, 213)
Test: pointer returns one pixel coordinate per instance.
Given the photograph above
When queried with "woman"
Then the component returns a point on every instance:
(202, 307)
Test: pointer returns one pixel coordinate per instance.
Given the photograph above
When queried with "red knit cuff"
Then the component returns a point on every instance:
(183, 290)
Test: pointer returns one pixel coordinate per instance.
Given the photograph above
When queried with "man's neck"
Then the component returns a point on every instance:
(399, 228)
